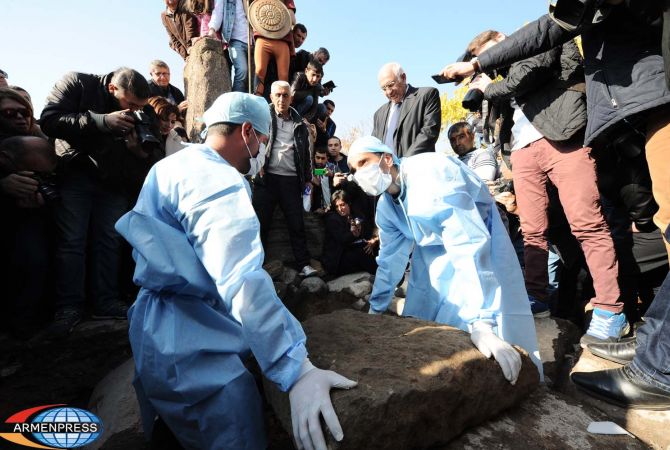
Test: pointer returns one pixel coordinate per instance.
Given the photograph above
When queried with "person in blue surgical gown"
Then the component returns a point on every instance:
(206, 304)
(464, 271)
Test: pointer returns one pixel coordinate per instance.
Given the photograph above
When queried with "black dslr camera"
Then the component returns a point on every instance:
(47, 187)
(145, 136)
(474, 97)
(572, 14)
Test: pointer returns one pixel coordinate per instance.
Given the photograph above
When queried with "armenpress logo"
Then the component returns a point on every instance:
(52, 427)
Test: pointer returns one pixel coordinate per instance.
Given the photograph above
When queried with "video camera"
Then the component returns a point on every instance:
(146, 137)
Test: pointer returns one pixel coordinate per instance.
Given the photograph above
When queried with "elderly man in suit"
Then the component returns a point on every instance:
(410, 122)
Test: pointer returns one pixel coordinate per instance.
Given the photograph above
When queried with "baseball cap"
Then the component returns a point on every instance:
(237, 108)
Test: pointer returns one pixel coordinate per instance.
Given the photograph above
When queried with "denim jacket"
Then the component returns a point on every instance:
(223, 18)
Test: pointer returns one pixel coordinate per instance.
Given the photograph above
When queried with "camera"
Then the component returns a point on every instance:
(47, 187)
(146, 137)
(572, 14)
(473, 100)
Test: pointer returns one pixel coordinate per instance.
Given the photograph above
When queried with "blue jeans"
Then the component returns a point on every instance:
(304, 105)
(652, 357)
(85, 221)
(238, 52)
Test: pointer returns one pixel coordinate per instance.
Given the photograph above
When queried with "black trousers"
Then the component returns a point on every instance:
(285, 192)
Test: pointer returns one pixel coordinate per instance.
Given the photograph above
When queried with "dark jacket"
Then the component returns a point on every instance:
(301, 89)
(338, 237)
(156, 90)
(303, 157)
(622, 62)
(74, 116)
(549, 89)
(181, 28)
(419, 123)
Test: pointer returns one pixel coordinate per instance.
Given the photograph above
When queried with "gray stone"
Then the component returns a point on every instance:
(343, 282)
(278, 245)
(313, 285)
(546, 420)
(290, 276)
(281, 289)
(420, 383)
(397, 305)
(556, 339)
(359, 304)
(206, 77)
(359, 289)
(114, 402)
(274, 268)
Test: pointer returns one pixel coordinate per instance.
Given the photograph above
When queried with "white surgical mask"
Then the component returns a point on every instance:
(372, 180)
(256, 164)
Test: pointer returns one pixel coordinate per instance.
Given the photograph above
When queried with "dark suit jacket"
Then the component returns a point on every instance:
(419, 123)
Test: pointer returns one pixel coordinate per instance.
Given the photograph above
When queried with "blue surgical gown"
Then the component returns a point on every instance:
(205, 304)
(463, 265)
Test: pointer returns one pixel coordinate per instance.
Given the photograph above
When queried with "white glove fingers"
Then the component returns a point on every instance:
(332, 422)
(304, 434)
(296, 430)
(315, 432)
(341, 382)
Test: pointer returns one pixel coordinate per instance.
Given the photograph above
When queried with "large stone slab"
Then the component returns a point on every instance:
(557, 339)
(279, 245)
(420, 383)
(206, 77)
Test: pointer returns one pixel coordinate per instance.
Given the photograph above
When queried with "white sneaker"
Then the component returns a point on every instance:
(307, 271)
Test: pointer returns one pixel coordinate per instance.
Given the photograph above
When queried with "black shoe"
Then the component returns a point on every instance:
(114, 310)
(64, 322)
(623, 388)
(620, 352)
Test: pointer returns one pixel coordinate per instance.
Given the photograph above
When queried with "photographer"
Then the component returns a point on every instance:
(627, 92)
(107, 143)
(548, 121)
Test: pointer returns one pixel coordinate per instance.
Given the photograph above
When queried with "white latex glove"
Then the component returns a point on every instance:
(310, 399)
(491, 345)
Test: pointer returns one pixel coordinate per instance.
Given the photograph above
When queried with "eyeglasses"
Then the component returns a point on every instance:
(13, 113)
(162, 74)
(389, 85)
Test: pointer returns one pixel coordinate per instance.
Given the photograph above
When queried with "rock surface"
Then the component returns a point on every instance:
(414, 377)
(313, 285)
(115, 403)
(206, 77)
(279, 246)
(556, 338)
(345, 281)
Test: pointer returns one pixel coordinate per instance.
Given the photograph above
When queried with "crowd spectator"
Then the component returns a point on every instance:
(482, 162)
(303, 57)
(3, 79)
(229, 20)
(547, 144)
(325, 126)
(286, 174)
(160, 85)
(103, 165)
(350, 244)
(274, 45)
(322, 180)
(181, 26)
(172, 132)
(410, 122)
(306, 90)
(26, 186)
(299, 35)
(202, 10)
(335, 155)
(16, 115)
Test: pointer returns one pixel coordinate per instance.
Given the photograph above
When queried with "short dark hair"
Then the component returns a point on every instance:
(322, 51)
(481, 39)
(458, 126)
(301, 27)
(335, 137)
(315, 66)
(132, 81)
(329, 102)
(223, 128)
(321, 149)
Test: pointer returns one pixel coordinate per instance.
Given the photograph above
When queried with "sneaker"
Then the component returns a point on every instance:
(114, 310)
(65, 320)
(605, 327)
(539, 309)
(307, 271)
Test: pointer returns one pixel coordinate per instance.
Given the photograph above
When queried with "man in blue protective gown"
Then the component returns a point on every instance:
(464, 271)
(206, 304)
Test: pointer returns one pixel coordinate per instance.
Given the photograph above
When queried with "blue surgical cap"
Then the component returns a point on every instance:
(237, 108)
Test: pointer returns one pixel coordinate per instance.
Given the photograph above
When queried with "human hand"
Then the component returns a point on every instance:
(371, 245)
(30, 201)
(321, 124)
(133, 144)
(491, 345)
(120, 122)
(338, 178)
(310, 399)
(182, 106)
(19, 185)
(325, 92)
(481, 82)
(212, 33)
(508, 200)
(355, 228)
(458, 70)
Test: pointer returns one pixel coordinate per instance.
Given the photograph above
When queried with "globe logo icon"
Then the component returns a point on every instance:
(79, 418)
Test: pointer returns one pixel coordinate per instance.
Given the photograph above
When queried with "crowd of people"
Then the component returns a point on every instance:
(558, 181)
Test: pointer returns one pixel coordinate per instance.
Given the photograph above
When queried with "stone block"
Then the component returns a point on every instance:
(420, 384)
(313, 285)
(343, 282)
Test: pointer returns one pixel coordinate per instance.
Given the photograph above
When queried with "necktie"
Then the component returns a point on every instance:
(394, 115)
